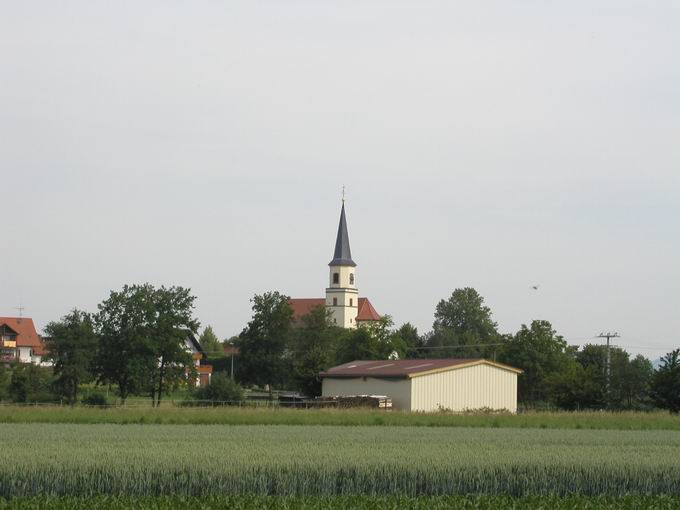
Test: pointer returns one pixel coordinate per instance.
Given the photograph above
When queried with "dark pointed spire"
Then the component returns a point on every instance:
(342, 255)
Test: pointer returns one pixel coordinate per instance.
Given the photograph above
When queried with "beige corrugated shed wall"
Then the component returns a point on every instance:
(464, 388)
(399, 390)
(473, 387)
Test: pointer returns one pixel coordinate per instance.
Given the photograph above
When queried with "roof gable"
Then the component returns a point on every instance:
(366, 311)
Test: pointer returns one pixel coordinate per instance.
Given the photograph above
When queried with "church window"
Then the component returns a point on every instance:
(336, 277)
(351, 302)
(335, 301)
(351, 278)
(335, 321)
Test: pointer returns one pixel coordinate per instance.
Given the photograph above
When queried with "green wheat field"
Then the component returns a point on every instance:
(260, 460)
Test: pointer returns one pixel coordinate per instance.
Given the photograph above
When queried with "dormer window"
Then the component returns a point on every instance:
(336, 278)
(351, 278)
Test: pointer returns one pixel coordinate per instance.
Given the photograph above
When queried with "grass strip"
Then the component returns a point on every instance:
(334, 417)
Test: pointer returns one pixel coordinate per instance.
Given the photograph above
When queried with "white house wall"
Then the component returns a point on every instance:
(475, 387)
(397, 389)
(25, 354)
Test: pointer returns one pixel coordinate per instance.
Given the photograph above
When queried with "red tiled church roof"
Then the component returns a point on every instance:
(27, 336)
(366, 311)
(302, 306)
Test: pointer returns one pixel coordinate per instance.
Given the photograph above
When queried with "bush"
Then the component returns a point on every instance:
(220, 389)
(95, 399)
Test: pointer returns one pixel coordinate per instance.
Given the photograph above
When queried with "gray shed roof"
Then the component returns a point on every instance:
(343, 254)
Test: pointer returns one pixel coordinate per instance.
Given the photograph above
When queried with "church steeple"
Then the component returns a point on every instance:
(342, 296)
(343, 254)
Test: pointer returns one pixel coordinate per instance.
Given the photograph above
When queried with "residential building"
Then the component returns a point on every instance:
(203, 369)
(19, 341)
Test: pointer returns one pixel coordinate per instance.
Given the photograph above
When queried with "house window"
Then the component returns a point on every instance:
(335, 301)
(336, 277)
(351, 302)
(351, 278)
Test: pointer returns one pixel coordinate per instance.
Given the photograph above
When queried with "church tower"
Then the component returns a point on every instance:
(342, 296)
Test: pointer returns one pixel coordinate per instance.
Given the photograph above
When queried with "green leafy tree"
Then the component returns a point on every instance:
(540, 352)
(31, 383)
(462, 323)
(72, 349)
(407, 335)
(636, 382)
(371, 341)
(574, 387)
(211, 344)
(313, 347)
(5, 378)
(126, 354)
(628, 382)
(142, 334)
(263, 342)
(173, 321)
(666, 382)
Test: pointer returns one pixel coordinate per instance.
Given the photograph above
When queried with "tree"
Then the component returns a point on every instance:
(72, 349)
(125, 356)
(173, 322)
(371, 341)
(666, 382)
(31, 383)
(263, 342)
(211, 344)
(462, 322)
(142, 339)
(313, 347)
(407, 335)
(574, 387)
(628, 380)
(540, 352)
(5, 377)
(636, 382)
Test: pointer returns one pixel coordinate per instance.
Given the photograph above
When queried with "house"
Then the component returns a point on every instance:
(203, 370)
(19, 341)
(428, 384)
(348, 310)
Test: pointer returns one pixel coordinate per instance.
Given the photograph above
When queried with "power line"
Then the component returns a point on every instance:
(608, 336)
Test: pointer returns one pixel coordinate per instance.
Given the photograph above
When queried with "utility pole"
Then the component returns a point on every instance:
(608, 365)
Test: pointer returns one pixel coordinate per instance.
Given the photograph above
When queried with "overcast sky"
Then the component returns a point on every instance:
(490, 144)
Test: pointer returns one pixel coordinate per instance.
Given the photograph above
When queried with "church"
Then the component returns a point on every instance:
(348, 310)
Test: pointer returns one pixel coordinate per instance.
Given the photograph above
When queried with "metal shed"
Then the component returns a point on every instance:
(428, 384)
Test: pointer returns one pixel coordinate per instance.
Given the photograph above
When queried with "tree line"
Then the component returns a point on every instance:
(276, 351)
(135, 343)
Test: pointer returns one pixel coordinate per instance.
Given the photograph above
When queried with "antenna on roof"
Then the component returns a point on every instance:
(21, 309)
